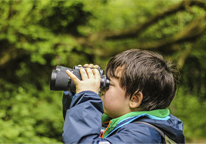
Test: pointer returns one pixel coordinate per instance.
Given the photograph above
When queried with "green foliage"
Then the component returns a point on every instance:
(29, 115)
(191, 111)
(35, 36)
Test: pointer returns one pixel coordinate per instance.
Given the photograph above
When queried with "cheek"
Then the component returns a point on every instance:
(113, 97)
(107, 100)
(112, 102)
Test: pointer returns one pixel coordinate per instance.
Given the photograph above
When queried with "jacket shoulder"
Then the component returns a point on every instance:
(136, 133)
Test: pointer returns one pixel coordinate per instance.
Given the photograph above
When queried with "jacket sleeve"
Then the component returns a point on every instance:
(83, 119)
(83, 124)
(66, 101)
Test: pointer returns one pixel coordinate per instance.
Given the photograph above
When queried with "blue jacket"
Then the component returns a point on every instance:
(83, 124)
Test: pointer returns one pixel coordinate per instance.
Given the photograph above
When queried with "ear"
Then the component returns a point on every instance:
(136, 100)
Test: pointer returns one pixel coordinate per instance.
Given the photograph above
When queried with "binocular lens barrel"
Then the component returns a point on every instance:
(60, 81)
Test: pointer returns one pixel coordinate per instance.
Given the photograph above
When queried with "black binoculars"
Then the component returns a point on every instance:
(60, 81)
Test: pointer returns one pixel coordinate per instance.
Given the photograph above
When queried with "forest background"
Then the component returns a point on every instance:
(36, 36)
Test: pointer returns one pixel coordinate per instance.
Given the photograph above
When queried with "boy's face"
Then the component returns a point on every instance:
(116, 103)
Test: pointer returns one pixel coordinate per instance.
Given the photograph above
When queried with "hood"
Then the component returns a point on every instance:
(173, 127)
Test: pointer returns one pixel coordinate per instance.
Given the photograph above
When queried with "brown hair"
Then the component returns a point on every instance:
(147, 72)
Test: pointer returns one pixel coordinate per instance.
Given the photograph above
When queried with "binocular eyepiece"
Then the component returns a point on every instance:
(60, 81)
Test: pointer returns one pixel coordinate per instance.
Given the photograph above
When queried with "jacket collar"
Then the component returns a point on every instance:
(116, 123)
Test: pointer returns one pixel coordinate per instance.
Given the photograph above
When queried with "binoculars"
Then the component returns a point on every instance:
(60, 81)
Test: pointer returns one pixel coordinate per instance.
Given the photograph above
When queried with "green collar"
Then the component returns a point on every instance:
(159, 113)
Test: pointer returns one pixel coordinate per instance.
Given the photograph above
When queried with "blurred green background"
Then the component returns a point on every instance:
(35, 36)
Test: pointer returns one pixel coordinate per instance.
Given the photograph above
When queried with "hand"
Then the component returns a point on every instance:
(90, 66)
(90, 79)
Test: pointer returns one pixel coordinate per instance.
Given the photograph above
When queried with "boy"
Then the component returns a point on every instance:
(142, 86)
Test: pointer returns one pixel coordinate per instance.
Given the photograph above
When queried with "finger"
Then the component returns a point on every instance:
(83, 73)
(96, 74)
(91, 65)
(89, 73)
(73, 77)
(95, 66)
(80, 65)
(86, 65)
